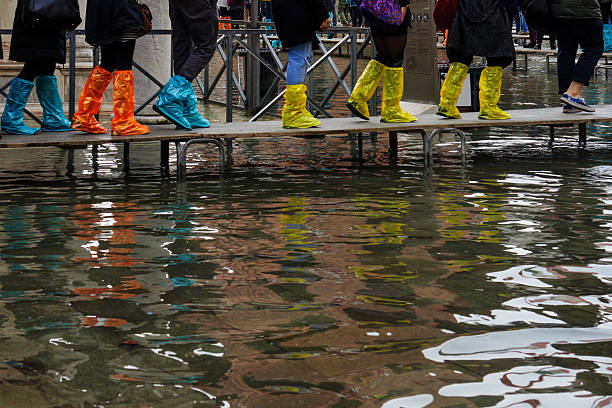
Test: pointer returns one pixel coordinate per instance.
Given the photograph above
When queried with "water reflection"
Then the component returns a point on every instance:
(342, 287)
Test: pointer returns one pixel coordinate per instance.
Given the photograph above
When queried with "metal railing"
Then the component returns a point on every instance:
(230, 43)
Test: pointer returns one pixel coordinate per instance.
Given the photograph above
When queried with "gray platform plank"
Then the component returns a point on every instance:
(336, 126)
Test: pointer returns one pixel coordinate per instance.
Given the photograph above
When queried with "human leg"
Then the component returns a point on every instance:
(54, 119)
(18, 95)
(453, 83)
(91, 98)
(294, 112)
(566, 57)
(123, 123)
(490, 88)
(193, 22)
(390, 53)
(589, 34)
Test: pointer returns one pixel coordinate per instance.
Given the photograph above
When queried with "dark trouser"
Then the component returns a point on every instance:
(236, 13)
(551, 37)
(356, 16)
(118, 55)
(195, 26)
(605, 12)
(570, 34)
(458, 56)
(33, 68)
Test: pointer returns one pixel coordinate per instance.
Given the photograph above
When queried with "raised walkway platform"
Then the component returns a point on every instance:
(428, 126)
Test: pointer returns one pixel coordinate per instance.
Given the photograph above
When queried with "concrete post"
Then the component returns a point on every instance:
(153, 53)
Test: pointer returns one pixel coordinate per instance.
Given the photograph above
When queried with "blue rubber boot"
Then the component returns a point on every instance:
(190, 110)
(171, 100)
(54, 119)
(12, 118)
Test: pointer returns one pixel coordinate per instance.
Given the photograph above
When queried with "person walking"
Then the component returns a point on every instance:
(40, 50)
(578, 24)
(484, 28)
(388, 64)
(344, 13)
(296, 24)
(114, 26)
(195, 26)
(356, 16)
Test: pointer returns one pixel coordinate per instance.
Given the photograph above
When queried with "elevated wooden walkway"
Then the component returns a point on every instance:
(428, 126)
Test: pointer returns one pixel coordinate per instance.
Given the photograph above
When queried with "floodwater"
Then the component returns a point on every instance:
(302, 279)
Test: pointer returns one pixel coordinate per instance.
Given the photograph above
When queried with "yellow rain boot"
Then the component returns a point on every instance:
(490, 90)
(451, 89)
(295, 114)
(393, 89)
(364, 89)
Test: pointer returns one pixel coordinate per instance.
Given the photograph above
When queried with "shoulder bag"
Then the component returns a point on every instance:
(51, 14)
(384, 14)
(538, 15)
(444, 14)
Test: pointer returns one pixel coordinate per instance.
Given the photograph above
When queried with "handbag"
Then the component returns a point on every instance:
(147, 17)
(444, 14)
(51, 14)
(383, 14)
(538, 15)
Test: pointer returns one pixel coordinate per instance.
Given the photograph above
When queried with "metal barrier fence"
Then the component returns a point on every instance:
(250, 41)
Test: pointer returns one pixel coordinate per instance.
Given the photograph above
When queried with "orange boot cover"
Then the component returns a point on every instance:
(123, 123)
(90, 101)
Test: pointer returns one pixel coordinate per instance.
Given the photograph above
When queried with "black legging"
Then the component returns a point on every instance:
(457, 56)
(118, 55)
(33, 68)
(390, 50)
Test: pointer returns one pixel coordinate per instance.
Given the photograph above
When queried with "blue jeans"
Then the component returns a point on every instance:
(520, 22)
(300, 57)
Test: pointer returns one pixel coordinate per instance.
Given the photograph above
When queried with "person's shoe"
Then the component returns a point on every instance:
(393, 90)
(54, 119)
(295, 115)
(12, 117)
(123, 123)
(490, 91)
(91, 100)
(570, 109)
(538, 47)
(577, 103)
(451, 89)
(190, 110)
(170, 102)
(364, 89)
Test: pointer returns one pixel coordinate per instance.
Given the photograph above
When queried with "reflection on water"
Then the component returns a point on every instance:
(347, 286)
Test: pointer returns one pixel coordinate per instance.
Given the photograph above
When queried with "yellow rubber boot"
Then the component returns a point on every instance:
(451, 89)
(295, 114)
(393, 89)
(490, 90)
(364, 89)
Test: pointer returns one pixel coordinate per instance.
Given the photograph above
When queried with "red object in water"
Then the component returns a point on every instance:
(444, 13)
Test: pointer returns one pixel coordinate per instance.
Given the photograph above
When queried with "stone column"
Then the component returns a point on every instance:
(153, 53)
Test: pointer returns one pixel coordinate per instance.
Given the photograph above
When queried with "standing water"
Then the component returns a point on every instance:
(302, 279)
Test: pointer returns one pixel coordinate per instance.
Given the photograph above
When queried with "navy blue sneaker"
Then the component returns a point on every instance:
(577, 103)
(570, 109)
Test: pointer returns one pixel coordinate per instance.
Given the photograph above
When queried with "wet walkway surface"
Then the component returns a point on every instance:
(302, 279)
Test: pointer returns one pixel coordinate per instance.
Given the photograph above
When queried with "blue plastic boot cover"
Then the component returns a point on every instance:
(54, 119)
(191, 110)
(171, 99)
(12, 118)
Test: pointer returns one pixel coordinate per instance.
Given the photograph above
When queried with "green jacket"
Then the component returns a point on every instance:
(576, 9)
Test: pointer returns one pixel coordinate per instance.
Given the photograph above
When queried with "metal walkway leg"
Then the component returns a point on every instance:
(393, 146)
(181, 154)
(582, 135)
(428, 145)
